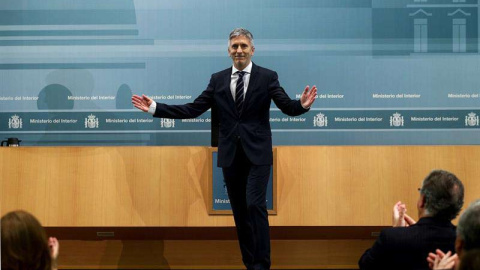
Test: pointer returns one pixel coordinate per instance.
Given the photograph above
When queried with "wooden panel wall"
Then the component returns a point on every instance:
(167, 187)
(358, 185)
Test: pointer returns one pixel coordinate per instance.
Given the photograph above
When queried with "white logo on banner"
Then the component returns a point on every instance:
(471, 120)
(320, 120)
(91, 121)
(167, 123)
(396, 120)
(15, 122)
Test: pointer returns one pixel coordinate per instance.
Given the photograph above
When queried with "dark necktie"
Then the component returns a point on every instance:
(239, 92)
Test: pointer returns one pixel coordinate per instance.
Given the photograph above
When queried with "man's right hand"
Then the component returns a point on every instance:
(142, 102)
(408, 220)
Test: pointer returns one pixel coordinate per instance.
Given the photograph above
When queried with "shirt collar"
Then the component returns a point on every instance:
(434, 220)
(248, 69)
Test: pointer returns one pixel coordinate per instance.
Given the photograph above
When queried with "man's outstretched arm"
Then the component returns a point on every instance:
(190, 110)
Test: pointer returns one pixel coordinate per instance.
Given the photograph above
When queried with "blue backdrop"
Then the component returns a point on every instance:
(388, 71)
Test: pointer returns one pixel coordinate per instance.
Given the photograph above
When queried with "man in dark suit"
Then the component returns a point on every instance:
(242, 95)
(407, 244)
(467, 244)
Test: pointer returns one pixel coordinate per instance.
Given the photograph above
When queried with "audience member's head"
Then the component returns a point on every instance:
(24, 243)
(470, 260)
(468, 229)
(441, 195)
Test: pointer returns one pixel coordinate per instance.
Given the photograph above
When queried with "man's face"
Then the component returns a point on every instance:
(241, 51)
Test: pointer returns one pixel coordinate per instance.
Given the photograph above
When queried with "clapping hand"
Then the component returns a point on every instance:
(54, 247)
(442, 261)
(400, 217)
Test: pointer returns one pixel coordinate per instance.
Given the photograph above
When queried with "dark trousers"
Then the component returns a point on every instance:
(247, 189)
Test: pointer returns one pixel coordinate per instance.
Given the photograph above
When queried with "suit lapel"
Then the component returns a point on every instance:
(252, 85)
(228, 92)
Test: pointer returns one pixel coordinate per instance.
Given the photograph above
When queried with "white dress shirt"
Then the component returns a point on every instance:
(246, 79)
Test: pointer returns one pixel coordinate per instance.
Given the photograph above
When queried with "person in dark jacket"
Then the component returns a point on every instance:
(467, 244)
(408, 244)
(241, 96)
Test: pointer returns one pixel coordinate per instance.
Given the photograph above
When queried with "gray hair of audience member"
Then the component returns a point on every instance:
(468, 228)
(240, 32)
(470, 260)
(443, 193)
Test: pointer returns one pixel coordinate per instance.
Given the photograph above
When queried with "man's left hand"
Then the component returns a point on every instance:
(308, 97)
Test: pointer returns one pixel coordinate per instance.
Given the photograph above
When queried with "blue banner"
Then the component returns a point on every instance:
(389, 72)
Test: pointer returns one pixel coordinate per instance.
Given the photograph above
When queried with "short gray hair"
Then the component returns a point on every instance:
(443, 193)
(468, 228)
(240, 32)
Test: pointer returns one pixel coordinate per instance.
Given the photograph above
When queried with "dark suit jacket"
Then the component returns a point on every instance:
(408, 247)
(252, 127)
